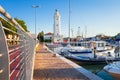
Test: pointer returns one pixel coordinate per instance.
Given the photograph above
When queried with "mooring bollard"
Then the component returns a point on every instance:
(54, 55)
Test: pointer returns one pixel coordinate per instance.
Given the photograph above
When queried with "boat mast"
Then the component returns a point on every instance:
(72, 33)
(85, 32)
(78, 34)
(85, 36)
(78, 31)
(69, 21)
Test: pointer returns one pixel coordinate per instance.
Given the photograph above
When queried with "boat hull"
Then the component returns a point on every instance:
(91, 61)
(113, 69)
(114, 75)
(50, 45)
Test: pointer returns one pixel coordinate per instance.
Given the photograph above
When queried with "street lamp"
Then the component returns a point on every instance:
(69, 22)
(35, 21)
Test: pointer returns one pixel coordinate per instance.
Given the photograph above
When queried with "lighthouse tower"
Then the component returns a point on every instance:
(57, 35)
(56, 23)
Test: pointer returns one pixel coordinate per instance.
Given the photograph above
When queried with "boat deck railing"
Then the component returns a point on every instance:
(16, 50)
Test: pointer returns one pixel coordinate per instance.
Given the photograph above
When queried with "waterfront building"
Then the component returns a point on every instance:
(48, 36)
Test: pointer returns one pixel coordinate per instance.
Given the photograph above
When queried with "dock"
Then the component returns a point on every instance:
(48, 66)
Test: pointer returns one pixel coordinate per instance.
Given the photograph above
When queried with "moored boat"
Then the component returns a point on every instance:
(97, 53)
(113, 69)
(88, 60)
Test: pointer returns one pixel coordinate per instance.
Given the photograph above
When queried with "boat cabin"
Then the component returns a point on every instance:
(98, 45)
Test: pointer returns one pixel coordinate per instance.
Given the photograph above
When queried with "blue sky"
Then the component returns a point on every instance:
(100, 16)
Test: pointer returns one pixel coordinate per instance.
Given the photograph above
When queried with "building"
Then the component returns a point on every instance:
(57, 34)
(117, 39)
(48, 36)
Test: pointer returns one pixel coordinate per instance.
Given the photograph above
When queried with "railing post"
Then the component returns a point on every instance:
(4, 59)
(22, 44)
(30, 56)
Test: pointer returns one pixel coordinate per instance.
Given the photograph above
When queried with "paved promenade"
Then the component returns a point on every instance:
(48, 67)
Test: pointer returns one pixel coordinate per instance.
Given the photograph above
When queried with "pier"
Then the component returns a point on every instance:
(48, 66)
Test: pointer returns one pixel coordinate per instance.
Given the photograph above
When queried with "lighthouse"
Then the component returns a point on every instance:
(57, 34)
(56, 23)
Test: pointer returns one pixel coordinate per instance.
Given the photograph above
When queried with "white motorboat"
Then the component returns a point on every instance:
(113, 69)
(61, 50)
(53, 45)
(97, 48)
(89, 55)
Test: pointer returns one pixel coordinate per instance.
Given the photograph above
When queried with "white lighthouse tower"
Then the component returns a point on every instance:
(57, 35)
(56, 23)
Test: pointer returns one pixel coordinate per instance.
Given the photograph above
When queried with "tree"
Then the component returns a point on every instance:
(7, 25)
(41, 36)
(22, 24)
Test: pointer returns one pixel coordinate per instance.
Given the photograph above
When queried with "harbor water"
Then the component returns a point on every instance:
(98, 70)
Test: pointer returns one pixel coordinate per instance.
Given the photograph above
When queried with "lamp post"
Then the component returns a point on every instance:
(69, 22)
(35, 22)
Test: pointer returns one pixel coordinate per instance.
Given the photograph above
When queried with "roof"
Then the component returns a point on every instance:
(49, 33)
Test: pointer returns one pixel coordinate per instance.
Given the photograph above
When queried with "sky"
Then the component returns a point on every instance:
(99, 16)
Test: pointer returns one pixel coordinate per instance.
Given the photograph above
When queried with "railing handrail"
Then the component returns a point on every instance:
(13, 21)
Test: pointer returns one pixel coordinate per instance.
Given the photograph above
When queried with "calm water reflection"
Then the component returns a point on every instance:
(98, 70)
